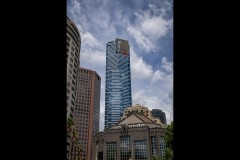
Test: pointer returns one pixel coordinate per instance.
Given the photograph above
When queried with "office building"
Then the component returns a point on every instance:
(118, 93)
(87, 111)
(135, 137)
(73, 62)
(160, 114)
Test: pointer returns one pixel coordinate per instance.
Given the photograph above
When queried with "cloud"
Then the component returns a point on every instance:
(139, 68)
(158, 75)
(170, 94)
(149, 27)
(95, 58)
(141, 39)
(101, 21)
(168, 66)
(152, 101)
(89, 40)
(155, 90)
(102, 115)
(155, 27)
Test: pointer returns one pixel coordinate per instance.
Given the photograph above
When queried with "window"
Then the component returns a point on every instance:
(76, 53)
(73, 82)
(74, 70)
(68, 39)
(140, 150)
(162, 147)
(125, 147)
(74, 76)
(111, 151)
(154, 145)
(73, 43)
(73, 96)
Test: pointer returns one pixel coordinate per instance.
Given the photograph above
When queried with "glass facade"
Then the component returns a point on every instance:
(140, 150)
(162, 147)
(125, 147)
(118, 93)
(160, 114)
(154, 145)
(111, 150)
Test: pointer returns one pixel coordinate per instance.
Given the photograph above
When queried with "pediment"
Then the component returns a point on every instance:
(132, 119)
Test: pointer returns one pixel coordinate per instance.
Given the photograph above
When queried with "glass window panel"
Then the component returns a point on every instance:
(140, 150)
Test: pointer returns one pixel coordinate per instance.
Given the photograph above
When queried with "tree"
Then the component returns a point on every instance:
(168, 142)
(70, 124)
(156, 158)
(75, 147)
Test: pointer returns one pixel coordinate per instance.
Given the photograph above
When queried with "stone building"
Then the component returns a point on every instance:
(135, 137)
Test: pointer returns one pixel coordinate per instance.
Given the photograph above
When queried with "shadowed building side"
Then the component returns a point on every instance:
(87, 111)
(73, 62)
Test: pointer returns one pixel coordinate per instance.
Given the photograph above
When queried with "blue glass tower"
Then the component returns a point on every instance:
(118, 94)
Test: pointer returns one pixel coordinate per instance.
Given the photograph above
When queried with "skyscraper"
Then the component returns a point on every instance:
(87, 111)
(73, 62)
(160, 114)
(118, 93)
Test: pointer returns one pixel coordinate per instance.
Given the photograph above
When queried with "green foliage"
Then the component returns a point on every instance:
(70, 124)
(168, 154)
(169, 142)
(156, 158)
(169, 136)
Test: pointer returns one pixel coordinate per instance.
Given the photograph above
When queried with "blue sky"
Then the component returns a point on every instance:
(148, 27)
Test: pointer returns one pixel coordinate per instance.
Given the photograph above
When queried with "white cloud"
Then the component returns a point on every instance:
(92, 57)
(168, 66)
(141, 39)
(102, 115)
(155, 27)
(153, 102)
(139, 68)
(89, 40)
(148, 27)
(151, 86)
(155, 91)
(158, 75)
